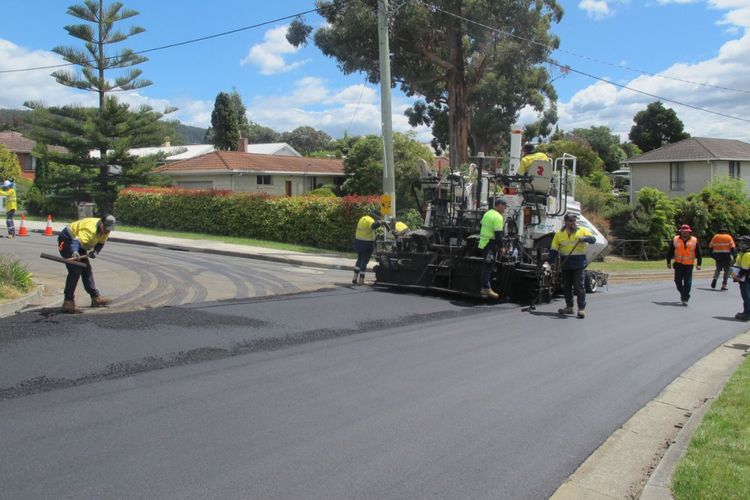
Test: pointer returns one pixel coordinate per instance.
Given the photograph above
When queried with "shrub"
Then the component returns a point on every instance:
(318, 221)
(14, 277)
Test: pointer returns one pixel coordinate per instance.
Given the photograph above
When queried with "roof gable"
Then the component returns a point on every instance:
(696, 149)
(251, 162)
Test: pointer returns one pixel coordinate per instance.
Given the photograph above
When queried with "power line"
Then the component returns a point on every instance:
(177, 44)
(566, 67)
(593, 59)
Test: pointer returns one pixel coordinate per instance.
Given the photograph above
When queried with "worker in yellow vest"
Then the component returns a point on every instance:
(740, 275)
(570, 244)
(490, 241)
(11, 205)
(83, 240)
(723, 250)
(686, 252)
(529, 157)
(364, 243)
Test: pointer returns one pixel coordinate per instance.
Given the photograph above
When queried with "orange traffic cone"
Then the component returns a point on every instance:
(48, 229)
(22, 230)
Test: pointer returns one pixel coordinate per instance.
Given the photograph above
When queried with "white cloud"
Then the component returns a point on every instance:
(269, 54)
(605, 104)
(354, 109)
(595, 9)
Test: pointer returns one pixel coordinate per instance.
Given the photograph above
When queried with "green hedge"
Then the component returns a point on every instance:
(321, 222)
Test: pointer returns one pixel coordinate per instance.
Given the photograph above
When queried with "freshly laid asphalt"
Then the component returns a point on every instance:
(610, 472)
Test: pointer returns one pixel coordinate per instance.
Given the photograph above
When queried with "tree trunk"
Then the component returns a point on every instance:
(458, 118)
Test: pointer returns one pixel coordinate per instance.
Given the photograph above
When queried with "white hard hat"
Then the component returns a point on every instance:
(6, 184)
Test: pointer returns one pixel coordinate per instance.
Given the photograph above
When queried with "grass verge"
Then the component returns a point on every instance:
(717, 463)
(14, 278)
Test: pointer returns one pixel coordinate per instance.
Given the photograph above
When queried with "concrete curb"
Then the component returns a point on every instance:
(622, 466)
(12, 306)
(229, 253)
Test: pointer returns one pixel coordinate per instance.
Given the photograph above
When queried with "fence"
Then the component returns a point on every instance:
(628, 248)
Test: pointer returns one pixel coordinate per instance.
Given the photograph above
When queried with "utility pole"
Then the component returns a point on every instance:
(389, 171)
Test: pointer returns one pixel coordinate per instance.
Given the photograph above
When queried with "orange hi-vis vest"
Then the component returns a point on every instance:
(721, 243)
(684, 253)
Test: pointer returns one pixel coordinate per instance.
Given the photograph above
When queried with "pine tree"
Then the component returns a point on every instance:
(226, 130)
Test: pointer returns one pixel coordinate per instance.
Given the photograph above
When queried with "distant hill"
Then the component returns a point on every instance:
(20, 121)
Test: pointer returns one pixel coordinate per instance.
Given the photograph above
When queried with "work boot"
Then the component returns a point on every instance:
(566, 310)
(361, 279)
(69, 307)
(742, 316)
(356, 276)
(581, 313)
(713, 283)
(99, 301)
(724, 288)
(489, 293)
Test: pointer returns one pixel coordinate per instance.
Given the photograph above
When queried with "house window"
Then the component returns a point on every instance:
(677, 176)
(734, 170)
(265, 180)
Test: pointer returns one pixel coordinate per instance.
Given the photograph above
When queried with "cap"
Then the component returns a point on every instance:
(570, 217)
(685, 227)
(109, 222)
(6, 184)
(500, 201)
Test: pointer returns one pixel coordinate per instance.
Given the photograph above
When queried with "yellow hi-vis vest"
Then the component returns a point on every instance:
(364, 229)
(566, 243)
(492, 221)
(10, 202)
(84, 230)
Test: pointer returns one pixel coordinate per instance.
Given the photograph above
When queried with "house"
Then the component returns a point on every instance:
(178, 153)
(236, 171)
(685, 167)
(23, 147)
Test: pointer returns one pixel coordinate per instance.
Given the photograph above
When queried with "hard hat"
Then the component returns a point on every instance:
(108, 221)
(685, 227)
(569, 217)
(7, 184)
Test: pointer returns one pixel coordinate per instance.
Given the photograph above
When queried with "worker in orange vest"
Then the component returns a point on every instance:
(724, 251)
(686, 252)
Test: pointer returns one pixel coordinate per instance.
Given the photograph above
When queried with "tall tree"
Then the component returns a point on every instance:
(452, 63)
(226, 129)
(9, 166)
(656, 126)
(241, 111)
(111, 128)
(605, 143)
(364, 166)
(307, 139)
(258, 134)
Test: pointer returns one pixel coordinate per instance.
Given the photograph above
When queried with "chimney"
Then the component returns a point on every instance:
(242, 146)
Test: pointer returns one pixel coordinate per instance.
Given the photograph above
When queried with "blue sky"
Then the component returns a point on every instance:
(701, 41)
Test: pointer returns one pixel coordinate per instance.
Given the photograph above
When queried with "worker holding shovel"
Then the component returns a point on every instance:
(571, 242)
(82, 241)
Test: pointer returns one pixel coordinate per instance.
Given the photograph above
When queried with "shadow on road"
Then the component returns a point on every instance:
(551, 314)
(739, 347)
(676, 304)
(730, 318)
(710, 289)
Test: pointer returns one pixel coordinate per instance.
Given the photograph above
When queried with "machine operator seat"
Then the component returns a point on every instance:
(540, 172)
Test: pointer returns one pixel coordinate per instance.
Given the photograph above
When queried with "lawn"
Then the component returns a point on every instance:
(717, 463)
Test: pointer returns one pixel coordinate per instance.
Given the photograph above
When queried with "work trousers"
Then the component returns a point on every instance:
(573, 285)
(488, 263)
(745, 293)
(683, 279)
(9, 222)
(364, 251)
(723, 263)
(75, 273)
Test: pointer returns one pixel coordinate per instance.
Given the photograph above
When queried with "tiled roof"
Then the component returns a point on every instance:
(18, 143)
(696, 148)
(235, 160)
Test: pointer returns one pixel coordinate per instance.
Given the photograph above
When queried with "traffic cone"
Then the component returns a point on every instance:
(48, 229)
(22, 230)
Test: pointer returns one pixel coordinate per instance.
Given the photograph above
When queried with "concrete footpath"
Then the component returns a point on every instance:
(637, 461)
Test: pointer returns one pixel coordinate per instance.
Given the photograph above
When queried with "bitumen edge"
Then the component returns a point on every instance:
(10, 307)
(638, 459)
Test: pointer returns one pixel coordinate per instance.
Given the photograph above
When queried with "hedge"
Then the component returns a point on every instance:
(316, 221)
